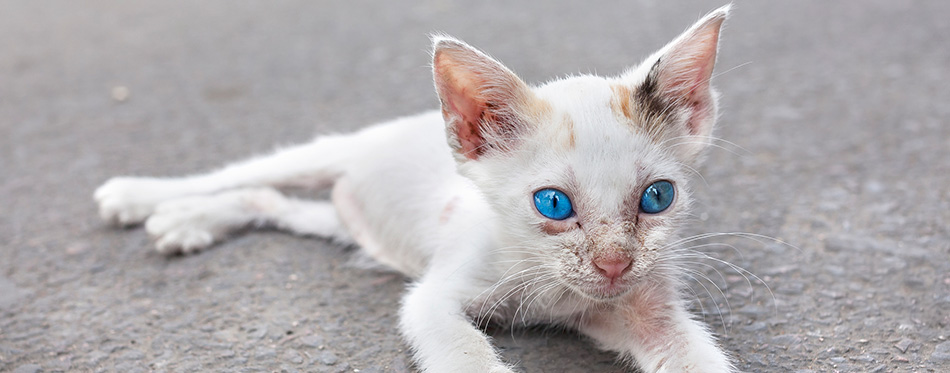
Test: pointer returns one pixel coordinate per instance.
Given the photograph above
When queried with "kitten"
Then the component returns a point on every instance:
(514, 204)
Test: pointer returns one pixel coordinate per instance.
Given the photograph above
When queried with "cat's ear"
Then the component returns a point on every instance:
(677, 102)
(482, 101)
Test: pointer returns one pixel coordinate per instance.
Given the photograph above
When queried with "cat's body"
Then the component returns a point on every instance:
(473, 219)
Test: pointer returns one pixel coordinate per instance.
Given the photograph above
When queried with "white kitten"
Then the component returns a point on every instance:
(554, 204)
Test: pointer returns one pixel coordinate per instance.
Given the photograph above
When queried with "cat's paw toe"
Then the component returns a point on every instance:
(126, 201)
(183, 241)
(117, 212)
(185, 225)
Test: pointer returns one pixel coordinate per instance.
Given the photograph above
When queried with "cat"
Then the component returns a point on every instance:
(555, 204)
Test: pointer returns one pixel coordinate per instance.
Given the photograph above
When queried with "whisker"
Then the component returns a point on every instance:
(537, 293)
(504, 297)
(750, 236)
(718, 309)
(693, 170)
(680, 283)
(741, 65)
(504, 280)
(708, 144)
(711, 139)
(676, 252)
(746, 273)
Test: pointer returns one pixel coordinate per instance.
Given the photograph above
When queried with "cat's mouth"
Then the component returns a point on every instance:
(607, 289)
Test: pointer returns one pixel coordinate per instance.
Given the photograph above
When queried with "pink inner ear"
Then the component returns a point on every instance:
(479, 98)
(470, 140)
(686, 70)
(701, 115)
(461, 103)
(699, 97)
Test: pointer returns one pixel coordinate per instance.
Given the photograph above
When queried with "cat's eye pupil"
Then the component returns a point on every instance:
(553, 204)
(657, 197)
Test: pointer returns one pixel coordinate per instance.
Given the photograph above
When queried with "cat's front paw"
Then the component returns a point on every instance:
(702, 359)
(696, 369)
(189, 224)
(126, 201)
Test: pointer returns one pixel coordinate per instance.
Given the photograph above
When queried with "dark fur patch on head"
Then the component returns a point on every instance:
(645, 108)
(652, 108)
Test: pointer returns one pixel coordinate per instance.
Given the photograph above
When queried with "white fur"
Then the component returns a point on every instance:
(464, 225)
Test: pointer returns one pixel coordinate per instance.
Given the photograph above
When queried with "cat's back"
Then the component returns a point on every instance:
(407, 152)
(404, 178)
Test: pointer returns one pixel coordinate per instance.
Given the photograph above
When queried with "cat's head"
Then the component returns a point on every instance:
(588, 175)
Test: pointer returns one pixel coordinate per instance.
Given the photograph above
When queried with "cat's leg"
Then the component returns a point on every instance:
(433, 317)
(192, 223)
(654, 328)
(443, 339)
(130, 200)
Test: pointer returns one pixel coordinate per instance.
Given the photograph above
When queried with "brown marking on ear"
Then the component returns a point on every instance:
(537, 108)
(535, 111)
(621, 102)
(568, 139)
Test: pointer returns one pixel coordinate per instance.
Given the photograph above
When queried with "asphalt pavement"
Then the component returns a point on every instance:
(835, 116)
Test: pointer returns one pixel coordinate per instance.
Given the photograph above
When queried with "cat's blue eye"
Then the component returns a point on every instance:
(553, 204)
(657, 197)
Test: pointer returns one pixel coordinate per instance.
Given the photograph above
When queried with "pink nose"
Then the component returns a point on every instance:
(613, 267)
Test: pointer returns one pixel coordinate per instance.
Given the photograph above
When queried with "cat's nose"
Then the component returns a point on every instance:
(613, 267)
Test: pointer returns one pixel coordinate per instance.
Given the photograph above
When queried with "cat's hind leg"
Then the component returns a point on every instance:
(130, 200)
(193, 223)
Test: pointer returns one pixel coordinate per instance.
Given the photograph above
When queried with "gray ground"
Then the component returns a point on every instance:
(838, 114)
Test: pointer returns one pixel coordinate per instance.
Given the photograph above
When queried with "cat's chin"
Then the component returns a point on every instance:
(606, 291)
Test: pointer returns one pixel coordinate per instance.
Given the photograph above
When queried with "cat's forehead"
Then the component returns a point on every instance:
(591, 105)
(592, 142)
(587, 117)
(581, 113)
(577, 95)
